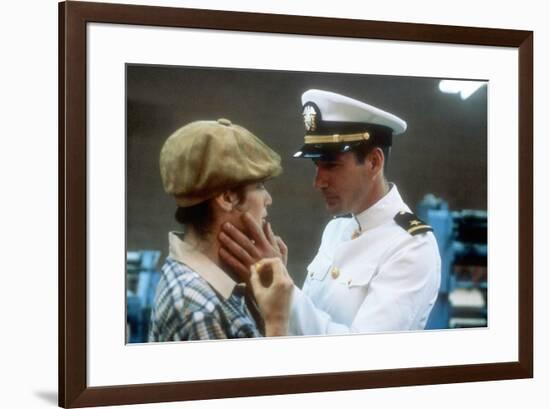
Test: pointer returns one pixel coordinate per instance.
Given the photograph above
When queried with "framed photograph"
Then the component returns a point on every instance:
(130, 76)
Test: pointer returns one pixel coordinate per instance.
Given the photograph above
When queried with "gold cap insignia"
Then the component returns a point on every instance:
(310, 118)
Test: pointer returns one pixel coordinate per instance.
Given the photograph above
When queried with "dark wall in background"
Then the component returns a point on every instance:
(443, 151)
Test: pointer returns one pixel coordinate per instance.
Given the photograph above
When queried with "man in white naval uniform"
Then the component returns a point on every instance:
(369, 275)
(378, 270)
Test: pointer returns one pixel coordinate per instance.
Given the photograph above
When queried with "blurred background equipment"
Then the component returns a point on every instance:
(141, 282)
(462, 240)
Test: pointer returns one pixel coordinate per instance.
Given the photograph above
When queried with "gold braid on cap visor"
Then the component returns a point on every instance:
(336, 138)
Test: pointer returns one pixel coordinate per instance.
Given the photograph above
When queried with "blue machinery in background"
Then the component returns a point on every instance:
(141, 282)
(462, 240)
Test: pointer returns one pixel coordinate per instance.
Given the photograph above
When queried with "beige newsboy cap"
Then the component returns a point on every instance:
(205, 158)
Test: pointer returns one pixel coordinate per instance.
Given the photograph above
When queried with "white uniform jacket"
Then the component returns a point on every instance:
(369, 275)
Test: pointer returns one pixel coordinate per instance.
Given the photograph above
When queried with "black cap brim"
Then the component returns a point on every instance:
(323, 151)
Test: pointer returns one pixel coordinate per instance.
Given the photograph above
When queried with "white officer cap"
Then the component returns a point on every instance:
(336, 123)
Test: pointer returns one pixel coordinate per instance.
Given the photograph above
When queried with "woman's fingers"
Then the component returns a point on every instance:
(254, 277)
(272, 288)
(270, 271)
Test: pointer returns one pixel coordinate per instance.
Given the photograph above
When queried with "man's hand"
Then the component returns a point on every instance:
(272, 288)
(240, 252)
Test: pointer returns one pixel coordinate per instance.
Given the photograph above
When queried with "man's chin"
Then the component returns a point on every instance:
(333, 208)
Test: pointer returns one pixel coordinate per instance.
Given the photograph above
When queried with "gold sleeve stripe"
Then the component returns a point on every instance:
(422, 226)
(363, 136)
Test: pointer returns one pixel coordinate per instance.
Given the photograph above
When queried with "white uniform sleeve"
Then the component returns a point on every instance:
(307, 319)
(399, 297)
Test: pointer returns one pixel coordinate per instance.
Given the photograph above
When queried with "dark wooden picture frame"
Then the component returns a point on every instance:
(73, 388)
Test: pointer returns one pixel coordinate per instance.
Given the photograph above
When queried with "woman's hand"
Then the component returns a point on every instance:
(272, 287)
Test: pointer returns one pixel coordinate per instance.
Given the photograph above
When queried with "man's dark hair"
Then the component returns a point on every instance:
(199, 216)
(363, 150)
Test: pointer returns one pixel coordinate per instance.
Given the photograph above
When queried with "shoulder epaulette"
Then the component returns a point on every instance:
(411, 224)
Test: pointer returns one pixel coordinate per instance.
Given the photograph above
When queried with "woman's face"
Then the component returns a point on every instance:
(255, 201)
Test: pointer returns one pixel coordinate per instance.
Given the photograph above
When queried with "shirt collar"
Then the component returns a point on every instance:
(183, 252)
(386, 208)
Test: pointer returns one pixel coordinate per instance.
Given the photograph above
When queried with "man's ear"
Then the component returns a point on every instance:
(226, 201)
(375, 160)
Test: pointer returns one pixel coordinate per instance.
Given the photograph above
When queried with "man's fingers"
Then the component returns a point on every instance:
(253, 228)
(241, 269)
(281, 244)
(283, 249)
(269, 234)
(238, 244)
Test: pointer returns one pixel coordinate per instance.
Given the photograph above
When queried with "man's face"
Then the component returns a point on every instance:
(344, 183)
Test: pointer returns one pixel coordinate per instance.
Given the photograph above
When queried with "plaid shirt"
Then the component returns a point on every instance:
(195, 300)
